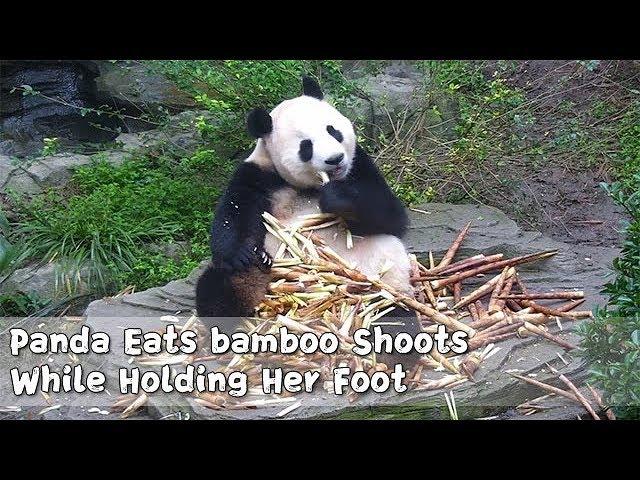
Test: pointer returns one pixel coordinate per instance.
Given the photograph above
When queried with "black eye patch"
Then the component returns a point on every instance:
(335, 133)
(306, 150)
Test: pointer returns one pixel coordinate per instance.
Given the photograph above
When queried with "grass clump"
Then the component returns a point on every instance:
(108, 227)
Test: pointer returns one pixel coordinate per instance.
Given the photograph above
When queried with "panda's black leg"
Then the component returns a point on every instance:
(396, 322)
(224, 299)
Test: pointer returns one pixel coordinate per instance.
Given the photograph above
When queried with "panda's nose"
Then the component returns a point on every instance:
(335, 160)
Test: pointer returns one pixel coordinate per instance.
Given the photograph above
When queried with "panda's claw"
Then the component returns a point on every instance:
(265, 261)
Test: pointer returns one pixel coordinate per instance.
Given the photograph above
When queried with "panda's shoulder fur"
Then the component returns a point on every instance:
(365, 200)
(237, 225)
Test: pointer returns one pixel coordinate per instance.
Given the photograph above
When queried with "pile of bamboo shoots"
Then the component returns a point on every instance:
(315, 290)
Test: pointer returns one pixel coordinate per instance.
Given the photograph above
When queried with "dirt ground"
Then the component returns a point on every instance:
(559, 193)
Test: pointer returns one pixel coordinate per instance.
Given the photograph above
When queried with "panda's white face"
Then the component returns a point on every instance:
(309, 136)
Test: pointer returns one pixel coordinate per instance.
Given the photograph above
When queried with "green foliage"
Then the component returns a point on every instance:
(11, 254)
(628, 164)
(51, 146)
(20, 304)
(611, 341)
(481, 101)
(230, 88)
(117, 213)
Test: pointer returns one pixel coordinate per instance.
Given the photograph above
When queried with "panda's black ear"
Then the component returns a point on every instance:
(259, 123)
(311, 87)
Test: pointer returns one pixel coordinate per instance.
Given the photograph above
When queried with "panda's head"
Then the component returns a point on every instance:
(304, 136)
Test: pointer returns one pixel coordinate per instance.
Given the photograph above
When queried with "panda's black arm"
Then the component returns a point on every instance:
(237, 232)
(365, 200)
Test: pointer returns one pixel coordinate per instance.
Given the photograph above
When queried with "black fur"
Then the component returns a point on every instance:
(259, 123)
(237, 233)
(337, 134)
(306, 150)
(311, 88)
(216, 297)
(365, 200)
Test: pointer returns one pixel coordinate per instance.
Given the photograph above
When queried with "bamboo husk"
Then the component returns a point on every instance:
(135, 405)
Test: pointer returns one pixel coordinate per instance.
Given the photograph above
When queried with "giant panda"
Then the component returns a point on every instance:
(297, 139)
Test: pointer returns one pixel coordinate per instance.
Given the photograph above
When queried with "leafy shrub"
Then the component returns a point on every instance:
(611, 341)
(481, 101)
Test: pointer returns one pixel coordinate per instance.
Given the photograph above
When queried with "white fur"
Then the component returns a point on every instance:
(370, 254)
(307, 118)
(299, 119)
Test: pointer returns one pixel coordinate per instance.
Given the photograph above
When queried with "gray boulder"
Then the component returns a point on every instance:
(132, 82)
(46, 281)
(50, 171)
(396, 93)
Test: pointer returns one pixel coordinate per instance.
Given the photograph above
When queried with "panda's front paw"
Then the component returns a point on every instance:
(264, 260)
(337, 197)
(247, 256)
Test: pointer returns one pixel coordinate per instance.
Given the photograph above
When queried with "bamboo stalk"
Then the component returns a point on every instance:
(468, 263)
(554, 312)
(471, 364)
(446, 260)
(488, 320)
(607, 410)
(545, 386)
(437, 284)
(457, 291)
(429, 291)
(545, 296)
(482, 291)
(473, 310)
(581, 398)
(539, 331)
(493, 300)
(444, 361)
(508, 285)
(484, 341)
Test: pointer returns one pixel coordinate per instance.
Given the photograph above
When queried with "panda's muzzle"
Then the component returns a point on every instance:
(335, 160)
